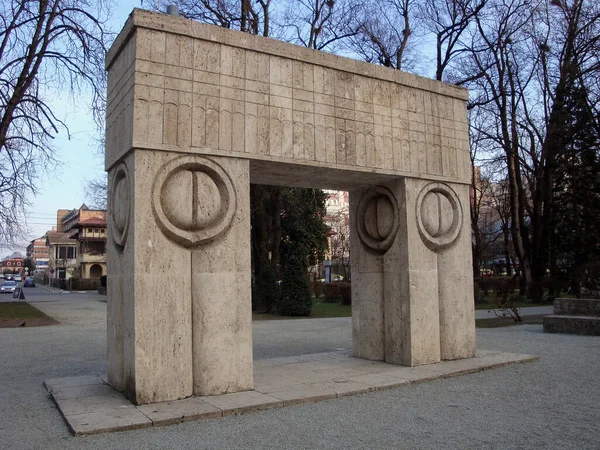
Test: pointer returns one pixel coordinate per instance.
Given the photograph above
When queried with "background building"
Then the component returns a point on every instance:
(37, 250)
(336, 265)
(77, 248)
(12, 264)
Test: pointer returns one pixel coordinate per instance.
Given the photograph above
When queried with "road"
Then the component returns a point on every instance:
(552, 403)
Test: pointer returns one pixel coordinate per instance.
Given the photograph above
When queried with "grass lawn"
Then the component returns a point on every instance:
(489, 303)
(17, 314)
(320, 310)
(496, 322)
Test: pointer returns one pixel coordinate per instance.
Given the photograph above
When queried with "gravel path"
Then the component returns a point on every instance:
(553, 403)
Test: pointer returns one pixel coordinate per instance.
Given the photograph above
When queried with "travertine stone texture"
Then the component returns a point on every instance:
(149, 295)
(89, 406)
(222, 310)
(179, 318)
(120, 271)
(196, 88)
(412, 303)
(194, 114)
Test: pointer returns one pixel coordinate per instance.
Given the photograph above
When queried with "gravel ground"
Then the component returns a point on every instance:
(552, 403)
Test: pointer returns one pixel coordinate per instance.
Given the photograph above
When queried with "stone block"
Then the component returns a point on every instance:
(242, 402)
(284, 381)
(583, 325)
(577, 307)
(58, 383)
(186, 410)
(304, 393)
(107, 419)
(380, 381)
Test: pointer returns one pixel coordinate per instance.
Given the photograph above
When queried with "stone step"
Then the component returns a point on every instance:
(585, 325)
(577, 307)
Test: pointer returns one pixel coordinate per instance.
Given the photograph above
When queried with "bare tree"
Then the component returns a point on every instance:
(321, 24)
(568, 45)
(48, 48)
(339, 225)
(492, 68)
(447, 20)
(96, 192)
(223, 13)
(244, 15)
(523, 62)
(384, 33)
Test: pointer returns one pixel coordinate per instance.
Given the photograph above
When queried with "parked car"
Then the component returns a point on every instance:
(29, 282)
(8, 287)
(334, 277)
(17, 278)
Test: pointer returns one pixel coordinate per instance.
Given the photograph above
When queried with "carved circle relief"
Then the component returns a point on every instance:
(439, 215)
(377, 218)
(193, 200)
(120, 204)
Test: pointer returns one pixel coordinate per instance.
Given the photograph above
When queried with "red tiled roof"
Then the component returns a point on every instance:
(56, 237)
(93, 222)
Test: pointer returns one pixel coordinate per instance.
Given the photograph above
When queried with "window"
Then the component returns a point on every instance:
(89, 230)
(66, 252)
(96, 230)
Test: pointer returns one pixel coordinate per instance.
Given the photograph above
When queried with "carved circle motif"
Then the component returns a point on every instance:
(193, 200)
(377, 218)
(439, 215)
(120, 204)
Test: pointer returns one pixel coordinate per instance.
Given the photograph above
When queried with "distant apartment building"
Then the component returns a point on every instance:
(337, 218)
(37, 250)
(78, 246)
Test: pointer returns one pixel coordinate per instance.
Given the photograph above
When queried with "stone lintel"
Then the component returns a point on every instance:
(278, 172)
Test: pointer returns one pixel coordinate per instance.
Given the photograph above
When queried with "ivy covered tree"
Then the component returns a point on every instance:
(295, 292)
(303, 231)
(303, 242)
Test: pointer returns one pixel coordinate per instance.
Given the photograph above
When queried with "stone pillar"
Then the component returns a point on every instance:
(411, 243)
(179, 311)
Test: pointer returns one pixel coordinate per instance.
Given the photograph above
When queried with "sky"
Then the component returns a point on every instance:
(80, 157)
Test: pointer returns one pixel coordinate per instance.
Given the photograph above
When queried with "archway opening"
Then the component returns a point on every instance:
(96, 271)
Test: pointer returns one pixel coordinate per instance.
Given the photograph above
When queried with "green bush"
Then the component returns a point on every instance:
(587, 279)
(332, 293)
(500, 286)
(318, 288)
(295, 297)
(477, 293)
(338, 292)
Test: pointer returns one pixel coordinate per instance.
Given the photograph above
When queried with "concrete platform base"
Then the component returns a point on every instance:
(584, 325)
(574, 316)
(90, 406)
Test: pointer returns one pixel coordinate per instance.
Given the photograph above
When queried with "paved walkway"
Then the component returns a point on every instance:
(552, 403)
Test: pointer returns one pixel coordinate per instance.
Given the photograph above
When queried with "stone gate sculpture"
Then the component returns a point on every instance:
(196, 113)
